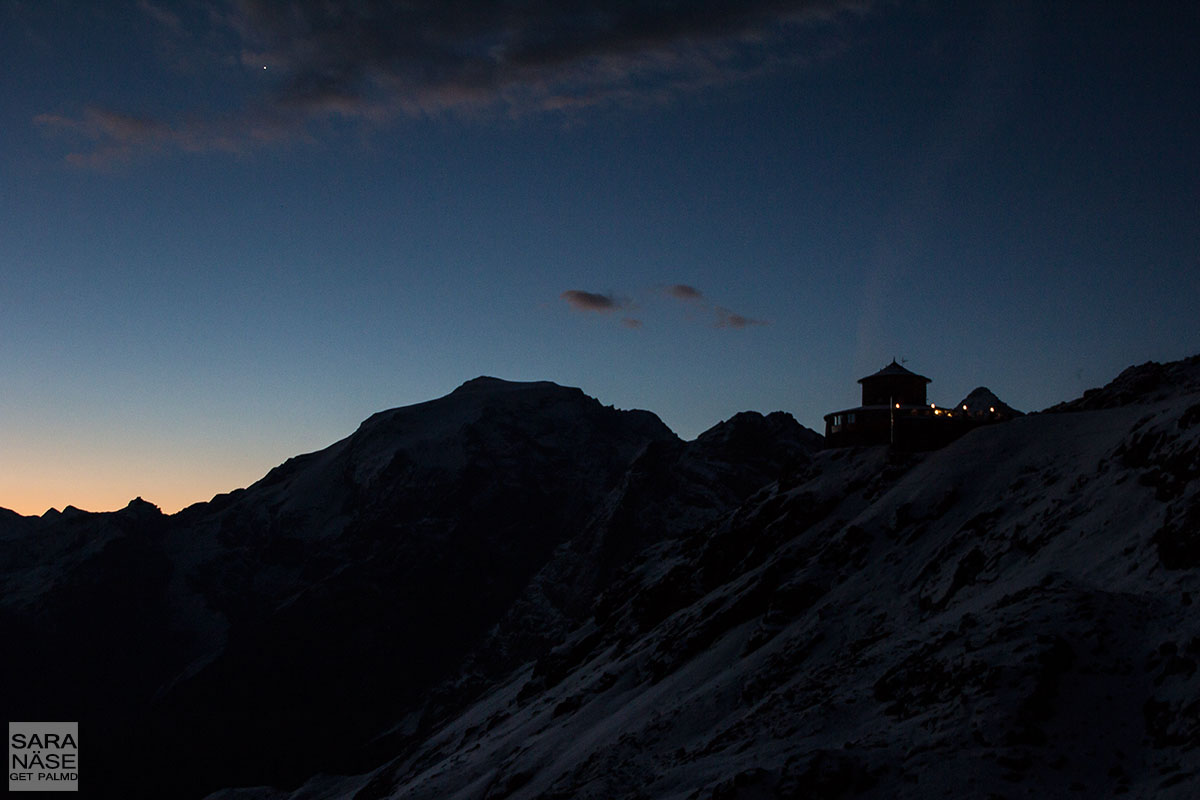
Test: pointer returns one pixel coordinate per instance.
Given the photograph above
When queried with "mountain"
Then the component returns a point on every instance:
(338, 592)
(982, 401)
(514, 591)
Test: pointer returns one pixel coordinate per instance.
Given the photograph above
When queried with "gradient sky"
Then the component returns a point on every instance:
(230, 230)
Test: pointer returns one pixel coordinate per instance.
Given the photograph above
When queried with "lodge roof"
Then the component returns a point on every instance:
(892, 370)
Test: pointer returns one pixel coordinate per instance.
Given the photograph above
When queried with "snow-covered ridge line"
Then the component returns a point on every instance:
(522, 593)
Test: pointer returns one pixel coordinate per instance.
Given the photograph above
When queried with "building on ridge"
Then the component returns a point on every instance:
(895, 411)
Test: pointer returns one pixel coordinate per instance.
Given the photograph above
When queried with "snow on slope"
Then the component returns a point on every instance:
(1010, 616)
(513, 591)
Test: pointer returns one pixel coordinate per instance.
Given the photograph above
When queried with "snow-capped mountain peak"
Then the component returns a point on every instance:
(514, 591)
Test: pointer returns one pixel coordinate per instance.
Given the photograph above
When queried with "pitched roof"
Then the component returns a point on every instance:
(894, 369)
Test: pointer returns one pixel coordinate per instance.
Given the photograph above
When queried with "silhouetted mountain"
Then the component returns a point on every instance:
(514, 591)
(983, 401)
(1146, 383)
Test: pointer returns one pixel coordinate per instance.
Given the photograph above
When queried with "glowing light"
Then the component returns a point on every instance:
(992, 410)
(897, 405)
(964, 406)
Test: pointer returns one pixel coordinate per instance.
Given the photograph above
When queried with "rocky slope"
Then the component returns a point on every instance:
(515, 592)
(338, 593)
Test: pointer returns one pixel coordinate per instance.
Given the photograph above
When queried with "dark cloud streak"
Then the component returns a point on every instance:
(728, 319)
(681, 291)
(591, 301)
(374, 60)
(163, 16)
(425, 57)
(580, 300)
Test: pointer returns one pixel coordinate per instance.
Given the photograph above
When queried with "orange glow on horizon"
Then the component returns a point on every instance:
(90, 483)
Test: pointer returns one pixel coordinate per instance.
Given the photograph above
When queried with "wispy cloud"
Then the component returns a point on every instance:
(682, 291)
(162, 15)
(112, 138)
(724, 318)
(429, 56)
(718, 316)
(728, 319)
(374, 60)
(591, 301)
(115, 137)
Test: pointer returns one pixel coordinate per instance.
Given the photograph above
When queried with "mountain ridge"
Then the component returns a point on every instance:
(515, 591)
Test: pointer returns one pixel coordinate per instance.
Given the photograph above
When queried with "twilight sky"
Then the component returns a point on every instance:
(230, 230)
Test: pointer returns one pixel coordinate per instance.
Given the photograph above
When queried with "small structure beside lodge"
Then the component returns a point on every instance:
(895, 411)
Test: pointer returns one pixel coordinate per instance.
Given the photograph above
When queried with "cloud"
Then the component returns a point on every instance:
(728, 319)
(682, 291)
(591, 301)
(375, 60)
(103, 124)
(161, 15)
(724, 317)
(423, 57)
(580, 300)
(117, 138)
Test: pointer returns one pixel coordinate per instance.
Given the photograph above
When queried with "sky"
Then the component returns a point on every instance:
(230, 230)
